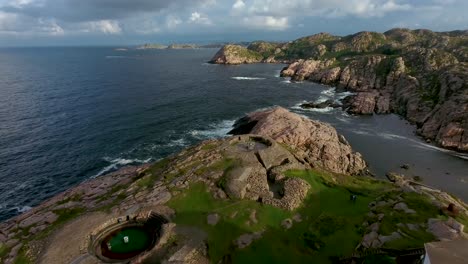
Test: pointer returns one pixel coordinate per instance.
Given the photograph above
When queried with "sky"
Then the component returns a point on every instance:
(133, 22)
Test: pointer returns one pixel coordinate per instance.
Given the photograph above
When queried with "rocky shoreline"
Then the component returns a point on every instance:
(220, 196)
(418, 74)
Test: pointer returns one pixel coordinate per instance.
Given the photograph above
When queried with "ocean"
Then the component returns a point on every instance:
(71, 114)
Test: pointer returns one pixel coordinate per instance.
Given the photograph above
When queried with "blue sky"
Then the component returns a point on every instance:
(128, 22)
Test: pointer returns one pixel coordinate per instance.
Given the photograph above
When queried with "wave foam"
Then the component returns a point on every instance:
(215, 130)
(22, 209)
(343, 95)
(317, 110)
(181, 142)
(391, 136)
(329, 92)
(117, 163)
(360, 132)
(247, 78)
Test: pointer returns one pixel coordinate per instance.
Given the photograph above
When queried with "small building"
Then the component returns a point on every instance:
(445, 252)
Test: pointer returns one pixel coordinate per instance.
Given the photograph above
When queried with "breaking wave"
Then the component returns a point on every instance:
(247, 78)
(215, 130)
(117, 163)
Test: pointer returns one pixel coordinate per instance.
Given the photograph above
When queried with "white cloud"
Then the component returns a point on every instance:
(266, 22)
(198, 18)
(103, 26)
(7, 21)
(327, 8)
(51, 27)
(239, 4)
(172, 22)
(91, 18)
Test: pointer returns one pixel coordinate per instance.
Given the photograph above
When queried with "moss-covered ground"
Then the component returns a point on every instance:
(331, 225)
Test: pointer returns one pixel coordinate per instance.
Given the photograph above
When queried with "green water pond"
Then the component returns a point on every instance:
(138, 240)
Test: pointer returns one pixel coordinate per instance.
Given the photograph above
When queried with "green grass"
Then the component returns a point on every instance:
(75, 198)
(22, 258)
(64, 215)
(194, 205)
(430, 93)
(3, 250)
(413, 238)
(330, 226)
(384, 67)
(146, 182)
(209, 146)
(158, 167)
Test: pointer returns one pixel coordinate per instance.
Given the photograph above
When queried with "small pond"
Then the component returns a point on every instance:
(126, 243)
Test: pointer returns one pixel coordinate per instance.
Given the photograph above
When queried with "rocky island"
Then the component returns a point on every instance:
(418, 74)
(281, 189)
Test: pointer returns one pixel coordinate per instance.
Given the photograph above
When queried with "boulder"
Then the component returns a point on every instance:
(445, 230)
(246, 239)
(287, 223)
(321, 105)
(315, 142)
(212, 219)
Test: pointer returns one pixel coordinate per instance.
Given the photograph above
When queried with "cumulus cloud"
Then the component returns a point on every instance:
(172, 22)
(267, 22)
(81, 18)
(364, 8)
(103, 26)
(198, 18)
(239, 4)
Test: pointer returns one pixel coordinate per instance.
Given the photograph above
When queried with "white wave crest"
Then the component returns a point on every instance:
(117, 163)
(247, 78)
(329, 92)
(327, 109)
(216, 130)
(181, 142)
(22, 209)
(343, 95)
(391, 136)
(360, 132)
(321, 99)
(461, 156)
(298, 107)
(435, 148)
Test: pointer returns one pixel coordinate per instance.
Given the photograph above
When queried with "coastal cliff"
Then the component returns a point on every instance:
(418, 74)
(236, 54)
(280, 178)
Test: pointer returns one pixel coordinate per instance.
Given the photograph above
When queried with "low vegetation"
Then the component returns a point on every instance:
(330, 224)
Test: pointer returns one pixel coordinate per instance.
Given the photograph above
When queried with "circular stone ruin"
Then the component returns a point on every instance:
(122, 239)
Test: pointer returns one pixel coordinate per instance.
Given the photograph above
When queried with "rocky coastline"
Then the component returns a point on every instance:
(278, 175)
(418, 74)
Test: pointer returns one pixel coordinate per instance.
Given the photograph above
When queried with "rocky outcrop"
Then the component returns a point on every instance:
(446, 230)
(418, 74)
(314, 143)
(321, 105)
(236, 54)
(435, 99)
(303, 69)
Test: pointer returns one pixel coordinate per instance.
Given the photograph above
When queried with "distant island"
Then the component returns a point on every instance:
(188, 46)
(419, 74)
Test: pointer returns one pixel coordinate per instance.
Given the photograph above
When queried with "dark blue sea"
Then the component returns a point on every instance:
(71, 114)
